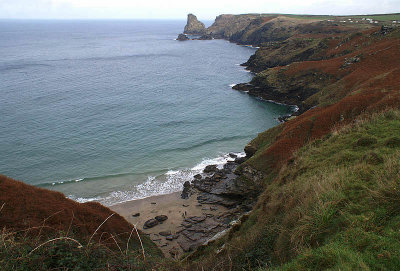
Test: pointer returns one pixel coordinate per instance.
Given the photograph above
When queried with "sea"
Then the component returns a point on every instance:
(118, 110)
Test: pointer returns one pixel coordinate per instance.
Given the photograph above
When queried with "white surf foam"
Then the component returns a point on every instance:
(232, 85)
(170, 182)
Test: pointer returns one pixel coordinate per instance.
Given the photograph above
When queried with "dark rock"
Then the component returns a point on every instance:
(216, 199)
(230, 166)
(197, 219)
(185, 205)
(210, 169)
(232, 155)
(136, 215)
(186, 245)
(186, 224)
(193, 236)
(169, 238)
(165, 233)
(153, 203)
(185, 192)
(240, 160)
(182, 37)
(205, 37)
(186, 184)
(150, 223)
(161, 218)
(217, 176)
(197, 176)
(213, 208)
(249, 150)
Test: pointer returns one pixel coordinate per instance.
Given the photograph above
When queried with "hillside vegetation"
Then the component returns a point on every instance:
(329, 197)
(328, 178)
(44, 230)
(334, 206)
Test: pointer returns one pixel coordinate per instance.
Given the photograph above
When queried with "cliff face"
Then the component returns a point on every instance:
(194, 26)
(257, 29)
(227, 25)
(344, 79)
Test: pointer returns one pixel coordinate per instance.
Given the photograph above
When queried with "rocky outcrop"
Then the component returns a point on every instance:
(227, 25)
(256, 29)
(194, 26)
(182, 37)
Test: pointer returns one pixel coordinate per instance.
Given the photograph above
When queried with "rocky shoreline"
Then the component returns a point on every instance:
(207, 205)
(212, 201)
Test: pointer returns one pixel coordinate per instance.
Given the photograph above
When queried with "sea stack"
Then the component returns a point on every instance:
(194, 26)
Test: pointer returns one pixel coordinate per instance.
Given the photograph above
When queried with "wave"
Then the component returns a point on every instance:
(107, 58)
(232, 85)
(201, 144)
(166, 183)
(10, 67)
(176, 123)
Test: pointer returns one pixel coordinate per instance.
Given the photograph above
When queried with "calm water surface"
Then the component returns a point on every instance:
(118, 110)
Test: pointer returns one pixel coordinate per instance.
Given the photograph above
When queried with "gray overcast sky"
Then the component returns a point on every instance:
(177, 9)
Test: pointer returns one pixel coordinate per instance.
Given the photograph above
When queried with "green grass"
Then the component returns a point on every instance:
(22, 252)
(378, 17)
(336, 207)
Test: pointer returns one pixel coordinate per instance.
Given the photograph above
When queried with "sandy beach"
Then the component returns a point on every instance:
(171, 205)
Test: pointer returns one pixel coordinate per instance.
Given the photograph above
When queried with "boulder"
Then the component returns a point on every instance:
(161, 218)
(232, 155)
(150, 223)
(186, 190)
(250, 150)
(165, 233)
(240, 160)
(210, 169)
(182, 37)
(197, 176)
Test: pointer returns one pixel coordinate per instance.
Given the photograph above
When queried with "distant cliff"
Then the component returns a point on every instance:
(256, 29)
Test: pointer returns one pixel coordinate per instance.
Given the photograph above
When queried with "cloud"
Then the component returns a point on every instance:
(205, 9)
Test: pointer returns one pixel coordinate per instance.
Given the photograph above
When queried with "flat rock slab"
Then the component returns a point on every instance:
(195, 219)
(165, 233)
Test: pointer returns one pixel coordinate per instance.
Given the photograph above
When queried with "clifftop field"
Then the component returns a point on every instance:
(328, 177)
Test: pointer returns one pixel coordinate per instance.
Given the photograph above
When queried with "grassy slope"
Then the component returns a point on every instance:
(330, 199)
(44, 230)
(334, 206)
